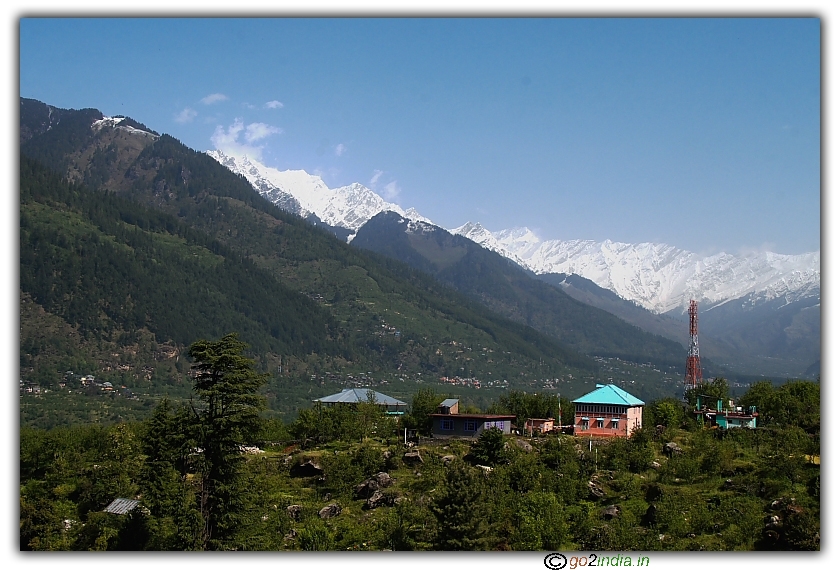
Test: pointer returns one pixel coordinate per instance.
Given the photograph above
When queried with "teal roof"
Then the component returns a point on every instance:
(609, 394)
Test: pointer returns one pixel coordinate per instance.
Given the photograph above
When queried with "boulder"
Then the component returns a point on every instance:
(368, 487)
(611, 512)
(294, 511)
(447, 459)
(307, 469)
(485, 468)
(412, 458)
(655, 465)
(330, 511)
(595, 490)
(523, 445)
(379, 499)
(671, 449)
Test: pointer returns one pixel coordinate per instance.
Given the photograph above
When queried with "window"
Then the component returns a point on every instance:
(614, 423)
(584, 423)
(447, 425)
(600, 422)
(470, 425)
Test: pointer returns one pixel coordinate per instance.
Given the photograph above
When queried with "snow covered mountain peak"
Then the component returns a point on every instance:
(658, 277)
(485, 238)
(303, 194)
(114, 122)
(661, 277)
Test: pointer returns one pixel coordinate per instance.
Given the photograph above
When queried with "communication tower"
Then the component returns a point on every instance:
(693, 374)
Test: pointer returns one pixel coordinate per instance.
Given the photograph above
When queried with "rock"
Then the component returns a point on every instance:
(523, 445)
(412, 458)
(375, 500)
(330, 511)
(306, 469)
(382, 479)
(294, 511)
(655, 465)
(368, 487)
(386, 455)
(595, 490)
(772, 521)
(291, 536)
(671, 449)
(485, 468)
(379, 499)
(447, 459)
(611, 512)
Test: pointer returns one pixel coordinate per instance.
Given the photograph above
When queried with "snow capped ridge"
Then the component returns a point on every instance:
(483, 237)
(656, 276)
(114, 122)
(660, 277)
(302, 193)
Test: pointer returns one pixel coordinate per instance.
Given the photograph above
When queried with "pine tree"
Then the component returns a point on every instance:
(226, 419)
(462, 511)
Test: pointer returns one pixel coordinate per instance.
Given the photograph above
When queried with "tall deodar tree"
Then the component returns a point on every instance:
(225, 418)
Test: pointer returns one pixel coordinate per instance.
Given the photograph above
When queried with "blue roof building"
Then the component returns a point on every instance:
(360, 395)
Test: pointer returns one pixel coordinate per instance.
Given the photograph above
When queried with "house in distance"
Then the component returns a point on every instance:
(449, 423)
(353, 396)
(607, 411)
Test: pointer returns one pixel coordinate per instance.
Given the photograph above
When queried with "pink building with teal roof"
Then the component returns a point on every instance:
(607, 411)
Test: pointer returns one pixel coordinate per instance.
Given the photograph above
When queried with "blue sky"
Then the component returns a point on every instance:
(700, 133)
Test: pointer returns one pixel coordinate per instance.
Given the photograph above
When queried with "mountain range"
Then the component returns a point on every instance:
(759, 310)
(133, 245)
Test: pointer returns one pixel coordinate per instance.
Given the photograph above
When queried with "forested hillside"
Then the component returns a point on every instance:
(509, 290)
(137, 246)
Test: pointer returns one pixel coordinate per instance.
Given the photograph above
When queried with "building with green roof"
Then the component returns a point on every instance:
(607, 411)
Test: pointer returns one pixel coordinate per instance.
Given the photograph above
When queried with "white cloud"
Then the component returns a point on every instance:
(274, 105)
(257, 131)
(186, 115)
(340, 149)
(376, 175)
(227, 140)
(391, 191)
(214, 98)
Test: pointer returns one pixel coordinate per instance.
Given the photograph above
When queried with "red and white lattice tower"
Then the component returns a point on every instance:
(693, 375)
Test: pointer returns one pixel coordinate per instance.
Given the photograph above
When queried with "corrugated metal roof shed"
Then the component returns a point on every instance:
(448, 403)
(121, 506)
(359, 395)
(609, 394)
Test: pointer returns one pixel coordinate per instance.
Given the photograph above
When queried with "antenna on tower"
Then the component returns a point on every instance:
(693, 374)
